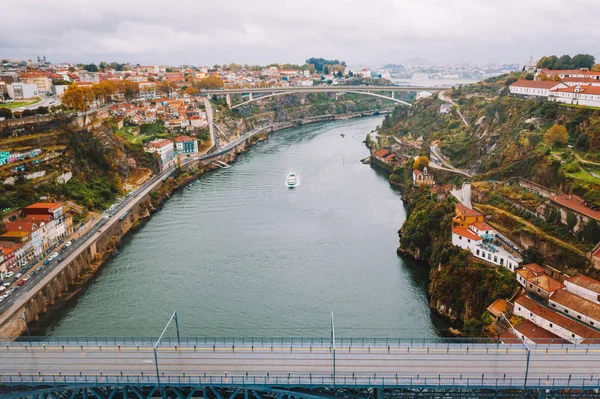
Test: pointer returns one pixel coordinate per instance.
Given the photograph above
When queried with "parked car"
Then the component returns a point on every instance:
(9, 274)
(21, 282)
(18, 275)
(26, 278)
(68, 244)
(6, 284)
(45, 263)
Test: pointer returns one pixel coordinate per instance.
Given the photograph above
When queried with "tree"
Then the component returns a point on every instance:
(571, 220)
(532, 255)
(556, 136)
(591, 231)
(421, 162)
(319, 63)
(564, 62)
(5, 113)
(129, 89)
(596, 68)
(167, 87)
(583, 61)
(547, 62)
(91, 68)
(209, 83)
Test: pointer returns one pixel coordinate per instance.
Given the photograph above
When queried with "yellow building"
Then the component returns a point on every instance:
(43, 82)
(465, 217)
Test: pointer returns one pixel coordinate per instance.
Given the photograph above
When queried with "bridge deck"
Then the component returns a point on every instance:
(302, 364)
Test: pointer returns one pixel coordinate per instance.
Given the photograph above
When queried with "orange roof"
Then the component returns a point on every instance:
(181, 139)
(549, 72)
(382, 153)
(575, 203)
(538, 334)
(481, 225)
(461, 231)
(585, 282)
(556, 318)
(583, 89)
(498, 307)
(466, 211)
(159, 143)
(526, 274)
(417, 172)
(15, 234)
(547, 283)
(535, 268)
(597, 253)
(43, 205)
(577, 303)
(38, 218)
(535, 84)
(21, 226)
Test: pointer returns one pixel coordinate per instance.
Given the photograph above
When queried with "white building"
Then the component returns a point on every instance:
(482, 241)
(587, 312)
(147, 90)
(445, 108)
(585, 287)
(164, 148)
(554, 322)
(534, 88)
(19, 91)
(424, 94)
(577, 95)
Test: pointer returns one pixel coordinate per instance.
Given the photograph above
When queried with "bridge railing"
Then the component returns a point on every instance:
(74, 380)
(285, 342)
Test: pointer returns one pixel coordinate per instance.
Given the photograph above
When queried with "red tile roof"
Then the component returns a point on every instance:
(466, 211)
(587, 89)
(43, 205)
(535, 84)
(556, 318)
(181, 139)
(575, 203)
(21, 226)
(577, 303)
(382, 153)
(481, 225)
(461, 231)
(585, 282)
(417, 172)
(159, 143)
(497, 307)
(535, 268)
(538, 334)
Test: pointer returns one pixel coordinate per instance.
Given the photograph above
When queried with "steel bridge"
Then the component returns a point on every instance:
(265, 92)
(303, 368)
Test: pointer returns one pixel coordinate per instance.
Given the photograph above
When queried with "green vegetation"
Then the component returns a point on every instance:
(19, 104)
(566, 62)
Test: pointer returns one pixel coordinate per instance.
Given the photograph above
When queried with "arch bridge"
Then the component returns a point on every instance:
(255, 94)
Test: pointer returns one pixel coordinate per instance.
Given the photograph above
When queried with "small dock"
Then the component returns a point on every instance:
(222, 165)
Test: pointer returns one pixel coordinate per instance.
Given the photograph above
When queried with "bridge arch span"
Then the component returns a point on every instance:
(291, 91)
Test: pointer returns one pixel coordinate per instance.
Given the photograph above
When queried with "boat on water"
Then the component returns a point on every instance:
(292, 180)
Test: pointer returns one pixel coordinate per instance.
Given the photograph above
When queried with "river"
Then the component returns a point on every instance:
(240, 254)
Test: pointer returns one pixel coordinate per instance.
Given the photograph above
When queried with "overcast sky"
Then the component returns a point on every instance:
(361, 32)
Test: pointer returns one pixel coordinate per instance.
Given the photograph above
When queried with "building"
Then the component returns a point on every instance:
(164, 148)
(585, 287)
(59, 90)
(497, 308)
(577, 95)
(423, 177)
(530, 66)
(19, 91)
(147, 90)
(445, 108)
(470, 232)
(552, 321)
(465, 217)
(185, 145)
(43, 82)
(536, 282)
(32, 229)
(531, 334)
(579, 308)
(52, 222)
(424, 94)
(582, 73)
(534, 88)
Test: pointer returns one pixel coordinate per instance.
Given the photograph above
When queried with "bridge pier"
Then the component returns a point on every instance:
(228, 100)
(250, 96)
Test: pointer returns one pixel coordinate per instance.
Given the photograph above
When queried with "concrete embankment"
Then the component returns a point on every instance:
(69, 278)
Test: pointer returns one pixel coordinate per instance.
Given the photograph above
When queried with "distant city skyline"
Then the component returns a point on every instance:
(267, 31)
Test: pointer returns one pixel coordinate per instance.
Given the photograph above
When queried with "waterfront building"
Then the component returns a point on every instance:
(30, 227)
(465, 216)
(537, 283)
(185, 145)
(51, 220)
(164, 148)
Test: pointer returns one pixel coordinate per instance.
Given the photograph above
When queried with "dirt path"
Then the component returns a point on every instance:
(533, 228)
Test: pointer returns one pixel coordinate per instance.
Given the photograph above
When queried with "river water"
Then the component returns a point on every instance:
(240, 254)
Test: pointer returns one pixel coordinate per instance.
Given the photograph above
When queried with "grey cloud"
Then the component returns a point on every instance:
(264, 31)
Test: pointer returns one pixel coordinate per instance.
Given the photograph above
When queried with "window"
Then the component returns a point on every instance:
(477, 252)
(553, 305)
(551, 325)
(566, 310)
(598, 299)
(490, 256)
(538, 290)
(572, 335)
(530, 314)
(460, 237)
(591, 322)
(579, 317)
(530, 285)
(468, 240)
(519, 308)
(495, 259)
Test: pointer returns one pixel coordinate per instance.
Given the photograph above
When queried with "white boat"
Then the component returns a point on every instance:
(292, 180)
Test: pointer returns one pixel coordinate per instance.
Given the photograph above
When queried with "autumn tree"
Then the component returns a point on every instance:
(596, 68)
(129, 89)
(421, 162)
(557, 136)
(167, 87)
(209, 83)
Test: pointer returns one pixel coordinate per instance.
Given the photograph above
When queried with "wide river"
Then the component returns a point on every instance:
(240, 254)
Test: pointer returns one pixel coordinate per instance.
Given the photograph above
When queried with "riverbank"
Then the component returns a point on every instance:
(74, 286)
